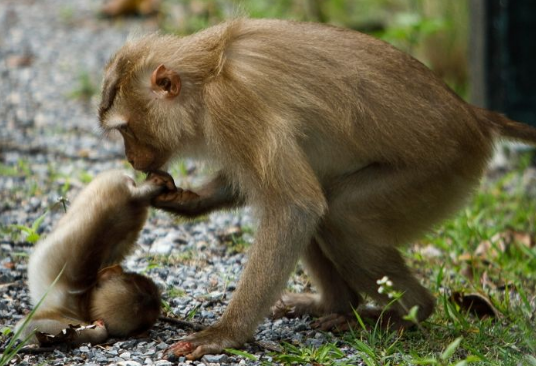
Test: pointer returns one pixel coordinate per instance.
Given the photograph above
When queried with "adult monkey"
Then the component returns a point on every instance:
(345, 147)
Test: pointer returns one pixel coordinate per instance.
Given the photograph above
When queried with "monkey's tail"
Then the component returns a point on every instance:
(508, 128)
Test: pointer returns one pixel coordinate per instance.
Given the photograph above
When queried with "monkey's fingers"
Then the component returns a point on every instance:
(167, 197)
(207, 349)
(181, 348)
(191, 352)
(179, 196)
(162, 178)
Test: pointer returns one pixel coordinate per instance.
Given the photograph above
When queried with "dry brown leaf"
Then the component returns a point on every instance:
(16, 61)
(230, 233)
(475, 303)
(491, 249)
(117, 8)
(518, 238)
(488, 250)
(8, 265)
(66, 336)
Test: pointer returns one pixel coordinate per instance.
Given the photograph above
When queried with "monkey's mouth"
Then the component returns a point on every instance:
(157, 168)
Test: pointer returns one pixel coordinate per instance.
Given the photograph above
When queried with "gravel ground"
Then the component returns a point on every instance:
(50, 52)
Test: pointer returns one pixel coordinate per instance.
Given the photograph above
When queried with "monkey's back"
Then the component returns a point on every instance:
(385, 105)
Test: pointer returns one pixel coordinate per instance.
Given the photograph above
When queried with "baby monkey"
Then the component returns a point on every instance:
(88, 243)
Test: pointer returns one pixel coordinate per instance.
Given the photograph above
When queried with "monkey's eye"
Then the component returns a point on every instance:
(124, 129)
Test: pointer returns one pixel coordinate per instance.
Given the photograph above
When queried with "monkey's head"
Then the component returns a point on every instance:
(128, 303)
(151, 99)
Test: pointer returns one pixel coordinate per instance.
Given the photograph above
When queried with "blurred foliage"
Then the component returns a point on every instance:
(435, 32)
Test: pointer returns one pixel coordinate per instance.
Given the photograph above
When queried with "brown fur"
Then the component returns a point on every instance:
(345, 147)
(92, 238)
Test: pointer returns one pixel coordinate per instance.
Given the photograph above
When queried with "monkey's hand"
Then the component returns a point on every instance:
(179, 201)
(214, 195)
(162, 178)
(213, 340)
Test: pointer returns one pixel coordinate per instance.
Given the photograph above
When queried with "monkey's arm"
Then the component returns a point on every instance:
(53, 322)
(288, 221)
(214, 195)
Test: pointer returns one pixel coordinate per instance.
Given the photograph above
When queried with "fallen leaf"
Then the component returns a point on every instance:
(515, 237)
(429, 251)
(16, 61)
(230, 233)
(490, 249)
(117, 8)
(83, 153)
(66, 336)
(476, 304)
(9, 265)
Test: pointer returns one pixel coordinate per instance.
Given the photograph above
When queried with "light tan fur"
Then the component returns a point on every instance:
(345, 146)
(99, 229)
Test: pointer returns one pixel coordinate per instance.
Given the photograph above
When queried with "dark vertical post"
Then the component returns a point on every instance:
(503, 57)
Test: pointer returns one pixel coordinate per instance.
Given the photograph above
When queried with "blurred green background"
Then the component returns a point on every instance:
(434, 31)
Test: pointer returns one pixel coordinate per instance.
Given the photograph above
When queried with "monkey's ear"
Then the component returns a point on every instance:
(109, 272)
(165, 82)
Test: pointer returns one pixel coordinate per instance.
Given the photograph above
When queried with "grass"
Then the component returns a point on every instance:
(85, 87)
(13, 346)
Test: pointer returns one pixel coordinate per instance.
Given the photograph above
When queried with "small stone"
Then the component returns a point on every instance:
(215, 358)
(165, 362)
(150, 352)
(162, 246)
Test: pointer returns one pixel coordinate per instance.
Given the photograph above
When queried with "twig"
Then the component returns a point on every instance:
(182, 323)
(34, 150)
(32, 350)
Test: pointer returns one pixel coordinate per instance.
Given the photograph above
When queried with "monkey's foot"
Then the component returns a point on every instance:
(295, 305)
(209, 341)
(99, 323)
(335, 322)
(370, 317)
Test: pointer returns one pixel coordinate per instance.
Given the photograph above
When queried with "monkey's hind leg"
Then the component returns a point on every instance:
(334, 295)
(361, 264)
(370, 214)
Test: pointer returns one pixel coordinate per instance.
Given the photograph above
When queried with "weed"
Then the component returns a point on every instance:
(85, 88)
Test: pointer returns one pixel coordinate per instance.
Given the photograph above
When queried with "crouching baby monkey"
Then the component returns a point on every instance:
(88, 243)
(344, 146)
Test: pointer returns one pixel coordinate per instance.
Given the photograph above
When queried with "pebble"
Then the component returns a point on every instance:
(217, 359)
(163, 363)
(128, 363)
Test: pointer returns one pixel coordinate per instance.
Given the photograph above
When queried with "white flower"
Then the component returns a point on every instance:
(382, 281)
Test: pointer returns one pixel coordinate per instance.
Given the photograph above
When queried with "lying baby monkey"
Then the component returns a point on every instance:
(88, 243)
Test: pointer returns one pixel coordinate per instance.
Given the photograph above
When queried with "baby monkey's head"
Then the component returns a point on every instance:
(128, 303)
